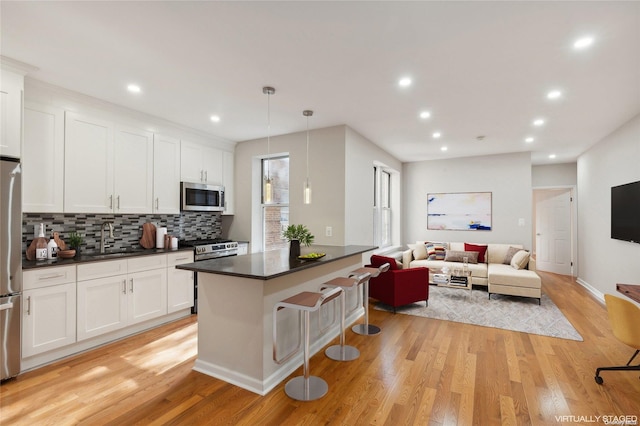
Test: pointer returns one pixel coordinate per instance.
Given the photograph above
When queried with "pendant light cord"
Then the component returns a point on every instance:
(307, 147)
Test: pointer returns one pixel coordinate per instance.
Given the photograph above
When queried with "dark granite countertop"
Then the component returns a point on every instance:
(272, 264)
(97, 257)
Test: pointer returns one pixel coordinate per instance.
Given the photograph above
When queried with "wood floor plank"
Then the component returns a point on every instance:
(418, 371)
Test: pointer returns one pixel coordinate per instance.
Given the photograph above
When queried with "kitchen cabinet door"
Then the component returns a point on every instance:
(88, 164)
(147, 295)
(179, 282)
(102, 306)
(212, 165)
(191, 162)
(11, 88)
(166, 175)
(227, 181)
(133, 173)
(49, 318)
(43, 159)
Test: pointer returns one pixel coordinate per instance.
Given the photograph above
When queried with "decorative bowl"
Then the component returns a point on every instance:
(66, 254)
(311, 256)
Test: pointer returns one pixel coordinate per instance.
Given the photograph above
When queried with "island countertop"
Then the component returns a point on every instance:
(274, 263)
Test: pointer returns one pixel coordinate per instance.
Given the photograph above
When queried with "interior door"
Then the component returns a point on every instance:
(553, 231)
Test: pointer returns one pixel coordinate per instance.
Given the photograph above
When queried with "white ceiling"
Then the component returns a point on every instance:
(480, 68)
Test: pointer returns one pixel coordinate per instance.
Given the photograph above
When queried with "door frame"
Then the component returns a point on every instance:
(574, 221)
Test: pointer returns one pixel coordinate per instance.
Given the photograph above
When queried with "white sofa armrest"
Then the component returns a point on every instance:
(407, 257)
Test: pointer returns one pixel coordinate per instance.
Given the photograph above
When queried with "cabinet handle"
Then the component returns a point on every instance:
(124, 286)
(182, 258)
(111, 201)
(201, 175)
(131, 281)
(118, 202)
(206, 175)
(29, 305)
(157, 203)
(48, 277)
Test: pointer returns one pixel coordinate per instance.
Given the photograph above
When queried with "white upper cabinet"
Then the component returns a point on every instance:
(43, 158)
(11, 89)
(200, 163)
(227, 181)
(133, 171)
(166, 175)
(89, 156)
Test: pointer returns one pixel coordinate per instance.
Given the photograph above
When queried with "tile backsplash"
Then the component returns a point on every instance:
(127, 229)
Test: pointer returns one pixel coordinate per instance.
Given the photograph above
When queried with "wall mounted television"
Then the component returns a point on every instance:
(625, 212)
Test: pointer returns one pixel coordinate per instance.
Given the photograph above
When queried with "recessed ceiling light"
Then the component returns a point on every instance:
(134, 88)
(404, 82)
(436, 134)
(552, 156)
(425, 114)
(583, 43)
(529, 139)
(444, 148)
(554, 94)
(538, 122)
(215, 118)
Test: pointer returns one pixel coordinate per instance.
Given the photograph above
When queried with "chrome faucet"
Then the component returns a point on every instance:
(109, 226)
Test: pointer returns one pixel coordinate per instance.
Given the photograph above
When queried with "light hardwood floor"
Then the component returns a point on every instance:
(418, 371)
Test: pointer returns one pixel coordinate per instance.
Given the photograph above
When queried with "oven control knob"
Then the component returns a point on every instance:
(200, 250)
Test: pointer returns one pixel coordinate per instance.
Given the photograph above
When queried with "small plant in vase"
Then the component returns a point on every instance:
(75, 240)
(296, 235)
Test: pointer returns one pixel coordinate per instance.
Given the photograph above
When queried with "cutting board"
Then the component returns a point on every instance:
(61, 244)
(31, 251)
(148, 239)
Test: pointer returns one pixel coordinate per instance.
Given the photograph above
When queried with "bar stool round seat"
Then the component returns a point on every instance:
(367, 329)
(305, 387)
(343, 352)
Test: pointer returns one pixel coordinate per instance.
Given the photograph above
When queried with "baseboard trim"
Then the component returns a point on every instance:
(597, 293)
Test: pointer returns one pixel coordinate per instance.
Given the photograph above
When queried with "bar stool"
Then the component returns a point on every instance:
(344, 352)
(367, 329)
(305, 387)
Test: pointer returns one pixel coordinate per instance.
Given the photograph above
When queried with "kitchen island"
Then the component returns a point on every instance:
(236, 296)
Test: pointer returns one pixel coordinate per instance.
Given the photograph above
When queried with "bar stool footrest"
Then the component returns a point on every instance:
(342, 353)
(315, 388)
(366, 329)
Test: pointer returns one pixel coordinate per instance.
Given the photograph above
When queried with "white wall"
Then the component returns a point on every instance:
(507, 177)
(361, 155)
(326, 172)
(554, 175)
(603, 261)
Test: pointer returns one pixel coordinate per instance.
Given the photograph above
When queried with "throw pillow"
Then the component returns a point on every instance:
(419, 251)
(458, 256)
(520, 260)
(481, 249)
(436, 251)
(377, 261)
(509, 255)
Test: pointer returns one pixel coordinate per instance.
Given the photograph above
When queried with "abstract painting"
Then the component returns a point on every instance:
(459, 211)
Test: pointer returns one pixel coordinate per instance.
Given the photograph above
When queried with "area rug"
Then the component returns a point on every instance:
(506, 312)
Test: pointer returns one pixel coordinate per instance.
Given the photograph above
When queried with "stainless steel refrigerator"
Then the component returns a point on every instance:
(11, 267)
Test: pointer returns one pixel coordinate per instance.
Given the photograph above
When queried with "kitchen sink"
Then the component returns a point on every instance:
(115, 253)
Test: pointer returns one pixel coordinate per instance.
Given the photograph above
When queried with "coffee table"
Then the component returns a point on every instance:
(452, 278)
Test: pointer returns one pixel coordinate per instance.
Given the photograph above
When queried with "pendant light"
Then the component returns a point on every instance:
(307, 183)
(268, 188)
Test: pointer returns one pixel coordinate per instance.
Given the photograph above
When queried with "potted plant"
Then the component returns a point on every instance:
(75, 240)
(296, 235)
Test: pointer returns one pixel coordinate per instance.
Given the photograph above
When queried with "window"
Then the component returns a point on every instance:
(382, 206)
(275, 214)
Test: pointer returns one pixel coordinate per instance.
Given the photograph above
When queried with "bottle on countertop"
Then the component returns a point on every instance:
(52, 249)
(41, 245)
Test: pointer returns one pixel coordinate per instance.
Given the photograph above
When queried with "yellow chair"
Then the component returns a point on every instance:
(624, 317)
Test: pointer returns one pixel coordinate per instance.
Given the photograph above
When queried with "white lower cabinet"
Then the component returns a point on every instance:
(49, 320)
(179, 282)
(113, 301)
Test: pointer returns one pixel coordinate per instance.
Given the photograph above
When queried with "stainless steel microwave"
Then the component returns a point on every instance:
(200, 197)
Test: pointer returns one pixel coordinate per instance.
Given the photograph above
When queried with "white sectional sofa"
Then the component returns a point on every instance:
(517, 277)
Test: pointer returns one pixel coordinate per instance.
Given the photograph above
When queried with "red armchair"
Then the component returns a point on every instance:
(398, 287)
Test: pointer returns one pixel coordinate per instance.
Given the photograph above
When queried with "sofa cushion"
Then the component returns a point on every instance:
(458, 256)
(520, 259)
(377, 261)
(436, 251)
(509, 255)
(506, 275)
(481, 249)
(419, 250)
(497, 252)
